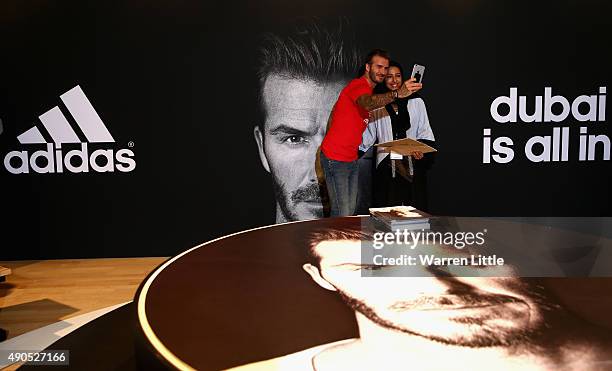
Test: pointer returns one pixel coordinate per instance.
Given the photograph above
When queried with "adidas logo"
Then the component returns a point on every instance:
(53, 160)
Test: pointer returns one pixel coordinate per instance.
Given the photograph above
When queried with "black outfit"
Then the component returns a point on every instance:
(402, 189)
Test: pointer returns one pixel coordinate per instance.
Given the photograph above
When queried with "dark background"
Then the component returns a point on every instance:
(178, 80)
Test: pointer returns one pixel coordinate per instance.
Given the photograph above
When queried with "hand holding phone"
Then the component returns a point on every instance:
(409, 87)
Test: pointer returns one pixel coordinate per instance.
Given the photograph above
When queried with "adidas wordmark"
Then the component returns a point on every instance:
(53, 159)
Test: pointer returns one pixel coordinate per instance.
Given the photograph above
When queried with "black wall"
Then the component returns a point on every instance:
(177, 80)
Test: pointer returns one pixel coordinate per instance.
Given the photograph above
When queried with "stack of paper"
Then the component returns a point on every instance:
(401, 217)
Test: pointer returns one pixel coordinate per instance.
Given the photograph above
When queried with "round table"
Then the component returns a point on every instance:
(245, 297)
(235, 300)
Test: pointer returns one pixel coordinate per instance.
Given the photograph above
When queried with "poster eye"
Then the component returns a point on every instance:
(294, 139)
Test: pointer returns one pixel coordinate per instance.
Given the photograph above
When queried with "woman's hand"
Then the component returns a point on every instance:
(417, 155)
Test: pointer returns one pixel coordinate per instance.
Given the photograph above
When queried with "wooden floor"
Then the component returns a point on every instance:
(38, 293)
(4, 271)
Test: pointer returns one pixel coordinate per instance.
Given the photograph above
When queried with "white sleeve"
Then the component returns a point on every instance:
(422, 121)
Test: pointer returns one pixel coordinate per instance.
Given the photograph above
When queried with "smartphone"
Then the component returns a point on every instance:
(417, 72)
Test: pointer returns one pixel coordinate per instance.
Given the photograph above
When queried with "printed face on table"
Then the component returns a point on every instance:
(296, 121)
(465, 311)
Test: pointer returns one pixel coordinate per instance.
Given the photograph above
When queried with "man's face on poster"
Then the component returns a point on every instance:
(296, 114)
(464, 311)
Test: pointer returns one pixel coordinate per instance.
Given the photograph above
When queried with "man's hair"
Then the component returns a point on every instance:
(350, 233)
(368, 60)
(377, 53)
(308, 51)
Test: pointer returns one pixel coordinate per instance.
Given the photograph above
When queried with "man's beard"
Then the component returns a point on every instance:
(374, 78)
(483, 337)
(308, 193)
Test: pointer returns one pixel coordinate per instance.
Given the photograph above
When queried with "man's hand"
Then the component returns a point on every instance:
(417, 155)
(372, 102)
(409, 87)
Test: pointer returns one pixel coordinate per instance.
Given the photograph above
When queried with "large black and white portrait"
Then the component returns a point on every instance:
(301, 73)
(301, 296)
(443, 321)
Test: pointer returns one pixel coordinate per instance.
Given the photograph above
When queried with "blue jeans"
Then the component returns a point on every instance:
(342, 183)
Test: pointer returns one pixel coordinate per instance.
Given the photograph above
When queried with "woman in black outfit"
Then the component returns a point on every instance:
(399, 181)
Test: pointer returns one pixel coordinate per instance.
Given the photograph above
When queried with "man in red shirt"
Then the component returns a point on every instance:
(348, 121)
